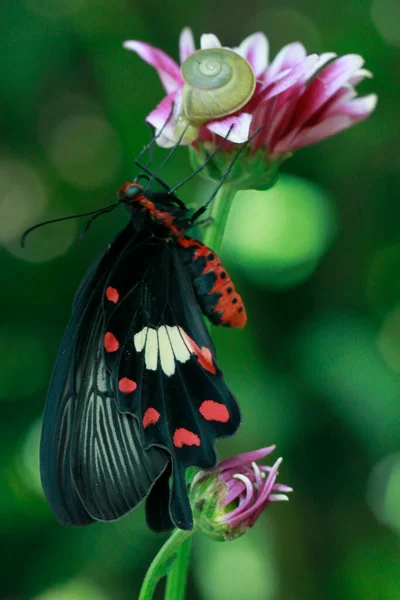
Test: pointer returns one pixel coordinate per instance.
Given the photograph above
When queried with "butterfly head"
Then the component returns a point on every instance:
(131, 192)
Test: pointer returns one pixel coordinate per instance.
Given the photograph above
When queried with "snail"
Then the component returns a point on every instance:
(218, 82)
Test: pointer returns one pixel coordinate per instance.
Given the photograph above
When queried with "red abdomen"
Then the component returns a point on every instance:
(213, 287)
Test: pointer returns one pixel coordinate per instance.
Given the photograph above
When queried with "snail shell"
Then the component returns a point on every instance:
(218, 82)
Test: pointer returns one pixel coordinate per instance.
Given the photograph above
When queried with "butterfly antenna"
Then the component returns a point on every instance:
(203, 166)
(168, 157)
(203, 208)
(155, 136)
(97, 212)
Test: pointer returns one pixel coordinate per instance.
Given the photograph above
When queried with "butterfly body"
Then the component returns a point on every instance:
(136, 392)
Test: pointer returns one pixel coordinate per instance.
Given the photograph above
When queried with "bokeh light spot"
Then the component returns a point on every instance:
(46, 243)
(337, 355)
(23, 364)
(278, 236)
(85, 150)
(385, 15)
(28, 459)
(383, 492)
(22, 198)
(297, 26)
(74, 590)
(57, 10)
(383, 290)
(247, 565)
(389, 340)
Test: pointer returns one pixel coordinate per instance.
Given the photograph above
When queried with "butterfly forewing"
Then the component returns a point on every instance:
(93, 465)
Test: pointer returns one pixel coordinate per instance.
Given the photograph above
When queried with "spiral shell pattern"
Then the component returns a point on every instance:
(218, 82)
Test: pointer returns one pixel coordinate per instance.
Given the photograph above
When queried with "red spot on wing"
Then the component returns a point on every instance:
(126, 385)
(111, 344)
(112, 294)
(214, 411)
(184, 437)
(206, 361)
(204, 356)
(150, 417)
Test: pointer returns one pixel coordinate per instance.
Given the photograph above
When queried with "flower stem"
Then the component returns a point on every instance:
(171, 556)
(219, 211)
(177, 577)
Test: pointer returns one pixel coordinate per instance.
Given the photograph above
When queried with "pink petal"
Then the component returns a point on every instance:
(298, 73)
(322, 60)
(158, 118)
(246, 457)
(281, 487)
(360, 108)
(186, 44)
(256, 507)
(166, 68)
(255, 50)
(209, 40)
(278, 498)
(359, 76)
(289, 57)
(260, 118)
(309, 136)
(281, 122)
(241, 127)
(326, 83)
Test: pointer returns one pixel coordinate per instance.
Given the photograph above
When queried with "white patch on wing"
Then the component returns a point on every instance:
(151, 352)
(164, 344)
(165, 351)
(140, 339)
(179, 344)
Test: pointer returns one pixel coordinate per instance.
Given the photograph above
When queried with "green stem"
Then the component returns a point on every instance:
(177, 577)
(170, 556)
(219, 212)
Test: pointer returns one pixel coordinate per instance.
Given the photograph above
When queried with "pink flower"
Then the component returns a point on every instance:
(228, 499)
(299, 99)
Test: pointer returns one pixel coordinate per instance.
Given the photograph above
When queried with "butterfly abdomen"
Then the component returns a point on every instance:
(213, 286)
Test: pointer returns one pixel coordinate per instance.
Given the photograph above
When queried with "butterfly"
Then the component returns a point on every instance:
(136, 396)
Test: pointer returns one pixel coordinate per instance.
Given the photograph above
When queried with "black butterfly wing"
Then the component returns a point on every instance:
(162, 362)
(93, 464)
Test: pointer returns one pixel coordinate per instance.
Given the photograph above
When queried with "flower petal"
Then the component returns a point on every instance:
(290, 56)
(326, 83)
(165, 66)
(359, 76)
(293, 76)
(246, 457)
(159, 117)
(209, 40)
(360, 108)
(240, 132)
(186, 44)
(255, 50)
(319, 132)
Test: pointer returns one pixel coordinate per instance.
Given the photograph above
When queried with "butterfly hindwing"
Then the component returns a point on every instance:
(93, 464)
(163, 362)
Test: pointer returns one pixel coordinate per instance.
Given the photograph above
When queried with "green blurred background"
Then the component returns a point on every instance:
(317, 260)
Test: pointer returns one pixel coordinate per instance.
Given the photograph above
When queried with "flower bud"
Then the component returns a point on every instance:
(227, 500)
